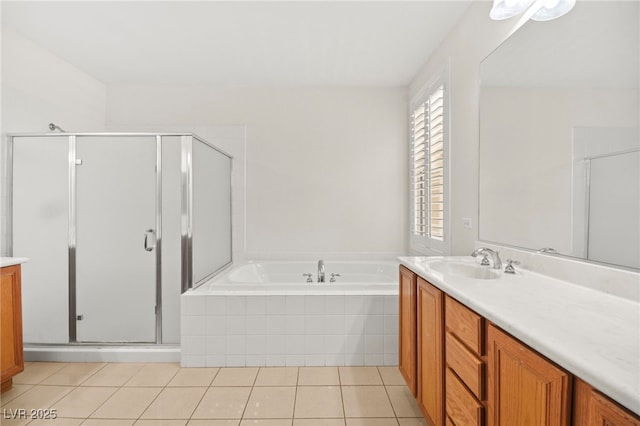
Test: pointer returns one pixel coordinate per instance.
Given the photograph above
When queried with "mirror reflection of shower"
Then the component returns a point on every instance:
(606, 195)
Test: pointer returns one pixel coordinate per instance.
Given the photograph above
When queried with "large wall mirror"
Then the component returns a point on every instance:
(559, 139)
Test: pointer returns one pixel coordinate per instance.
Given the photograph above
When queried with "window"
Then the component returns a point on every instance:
(428, 164)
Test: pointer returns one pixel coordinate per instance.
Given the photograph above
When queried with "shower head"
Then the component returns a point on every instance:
(54, 127)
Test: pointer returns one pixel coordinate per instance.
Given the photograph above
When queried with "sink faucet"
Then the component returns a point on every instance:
(495, 257)
(320, 271)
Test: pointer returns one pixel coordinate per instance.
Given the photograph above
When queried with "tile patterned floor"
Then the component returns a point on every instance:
(101, 394)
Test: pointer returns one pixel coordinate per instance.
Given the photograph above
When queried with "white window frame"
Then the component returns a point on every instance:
(427, 244)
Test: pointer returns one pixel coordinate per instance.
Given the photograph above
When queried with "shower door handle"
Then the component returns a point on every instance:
(148, 247)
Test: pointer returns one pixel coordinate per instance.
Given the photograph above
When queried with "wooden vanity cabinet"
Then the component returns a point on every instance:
(408, 328)
(591, 408)
(11, 351)
(465, 366)
(524, 388)
(466, 371)
(430, 352)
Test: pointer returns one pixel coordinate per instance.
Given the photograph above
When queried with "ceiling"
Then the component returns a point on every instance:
(227, 43)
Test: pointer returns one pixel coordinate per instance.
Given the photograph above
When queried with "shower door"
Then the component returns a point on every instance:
(116, 219)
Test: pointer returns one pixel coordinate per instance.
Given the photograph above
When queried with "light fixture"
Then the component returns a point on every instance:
(552, 9)
(543, 10)
(505, 9)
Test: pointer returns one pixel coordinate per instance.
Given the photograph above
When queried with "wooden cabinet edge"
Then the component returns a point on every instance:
(408, 372)
(591, 408)
(437, 417)
(6, 376)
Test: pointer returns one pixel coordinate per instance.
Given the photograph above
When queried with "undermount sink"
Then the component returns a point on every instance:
(464, 269)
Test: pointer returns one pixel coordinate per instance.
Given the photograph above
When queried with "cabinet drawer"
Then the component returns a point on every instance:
(461, 406)
(465, 364)
(465, 324)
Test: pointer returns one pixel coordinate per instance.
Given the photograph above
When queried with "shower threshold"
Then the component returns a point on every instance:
(102, 352)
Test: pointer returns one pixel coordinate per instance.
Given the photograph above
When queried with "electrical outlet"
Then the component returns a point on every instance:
(466, 222)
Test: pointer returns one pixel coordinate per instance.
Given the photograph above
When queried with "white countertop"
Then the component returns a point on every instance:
(593, 335)
(10, 261)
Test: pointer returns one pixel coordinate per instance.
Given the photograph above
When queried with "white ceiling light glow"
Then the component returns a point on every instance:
(546, 10)
(505, 9)
(552, 9)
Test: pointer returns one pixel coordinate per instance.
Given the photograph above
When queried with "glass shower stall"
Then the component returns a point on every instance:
(116, 227)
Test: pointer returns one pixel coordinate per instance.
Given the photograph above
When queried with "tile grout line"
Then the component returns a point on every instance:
(124, 385)
(344, 410)
(295, 395)
(207, 387)
(388, 397)
(203, 395)
(249, 397)
(57, 399)
(110, 396)
(78, 386)
(156, 397)
(45, 377)
(395, 415)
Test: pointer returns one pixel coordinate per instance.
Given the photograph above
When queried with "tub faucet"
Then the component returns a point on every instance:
(320, 271)
(495, 257)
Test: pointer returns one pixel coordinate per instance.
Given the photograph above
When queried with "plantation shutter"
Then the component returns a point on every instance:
(427, 165)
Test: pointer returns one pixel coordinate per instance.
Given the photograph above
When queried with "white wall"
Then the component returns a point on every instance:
(39, 88)
(475, 36)
(325, 167)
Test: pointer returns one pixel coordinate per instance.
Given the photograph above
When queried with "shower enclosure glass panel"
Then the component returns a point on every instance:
(116, 239)
(116, 226)
(211, 210)
(41, 231)
(614, 209)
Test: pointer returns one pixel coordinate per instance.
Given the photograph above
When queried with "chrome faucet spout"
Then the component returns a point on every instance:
(478, 252)
(495, 257)
(320, 271)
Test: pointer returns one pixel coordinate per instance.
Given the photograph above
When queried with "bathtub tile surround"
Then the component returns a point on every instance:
(266, 314)
(294, 330)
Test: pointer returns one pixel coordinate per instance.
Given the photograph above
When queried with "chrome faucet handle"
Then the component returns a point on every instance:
(509, 269)
(485, 260)
(333, 278)
(495, 256)
(308, 275)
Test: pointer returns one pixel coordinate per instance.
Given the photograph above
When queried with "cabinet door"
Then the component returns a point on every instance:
(523, 387)
(605, 412)
(11, 360)
(430, 352)
(591, 408)
(407, 336)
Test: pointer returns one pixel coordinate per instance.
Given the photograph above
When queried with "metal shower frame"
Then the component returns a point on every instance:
(186, 179)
